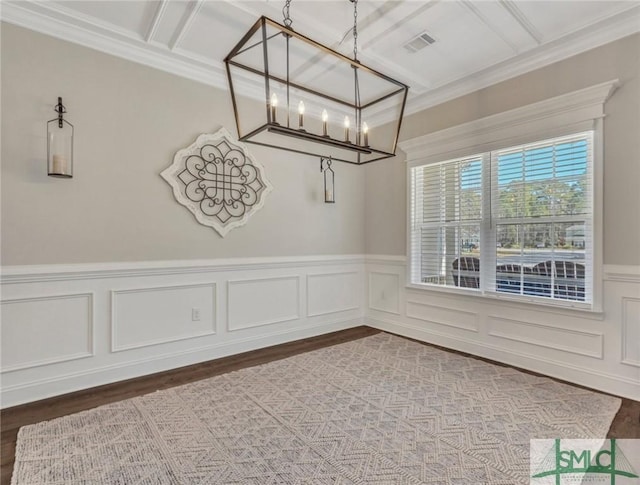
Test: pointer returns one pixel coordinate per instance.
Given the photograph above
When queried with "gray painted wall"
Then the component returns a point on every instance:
(386, 182)
(130, 120)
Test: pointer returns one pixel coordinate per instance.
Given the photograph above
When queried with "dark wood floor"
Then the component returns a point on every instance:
(625, 425)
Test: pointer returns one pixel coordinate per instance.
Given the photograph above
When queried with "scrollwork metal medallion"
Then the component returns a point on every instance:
(218, 181)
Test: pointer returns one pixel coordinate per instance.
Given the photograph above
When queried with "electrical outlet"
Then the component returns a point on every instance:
(195, 314)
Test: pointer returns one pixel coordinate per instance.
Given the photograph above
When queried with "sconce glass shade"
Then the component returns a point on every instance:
(292, 93)
(60, 148)
(329, 181)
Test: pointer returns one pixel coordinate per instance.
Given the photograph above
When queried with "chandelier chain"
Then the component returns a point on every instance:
(285, 14)
(355, 30)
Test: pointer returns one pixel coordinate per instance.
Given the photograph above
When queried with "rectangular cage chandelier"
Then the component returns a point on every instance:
(293, 93)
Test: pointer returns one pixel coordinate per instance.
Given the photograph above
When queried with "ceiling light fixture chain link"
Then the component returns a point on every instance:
(355, 29)
(285, 13)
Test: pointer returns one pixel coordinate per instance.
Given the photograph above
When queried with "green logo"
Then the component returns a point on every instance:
(584, 461)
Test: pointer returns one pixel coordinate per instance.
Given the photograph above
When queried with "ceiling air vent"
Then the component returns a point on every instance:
(419, 42)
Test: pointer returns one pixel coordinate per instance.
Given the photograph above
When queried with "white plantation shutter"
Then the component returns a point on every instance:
(517, 221)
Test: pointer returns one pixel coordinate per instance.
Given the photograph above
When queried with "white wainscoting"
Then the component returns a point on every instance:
(443, 315)
(71, 327)
(42, 330)
(384, 295)
(547, 335)
(148, 316)
(333, 292)
(264, 301)
(631, 331)
(601, 351)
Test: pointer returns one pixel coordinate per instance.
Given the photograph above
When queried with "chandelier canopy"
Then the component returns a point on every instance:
(293, 93)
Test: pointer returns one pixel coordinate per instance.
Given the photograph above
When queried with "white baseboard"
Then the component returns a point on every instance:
(591, 378)
(63, 384)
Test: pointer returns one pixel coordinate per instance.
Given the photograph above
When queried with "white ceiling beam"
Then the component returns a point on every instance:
(383, 64)
(494, 28)
(372, 19)
(251, 11)
(398, 25)
(616, 27)
(157, 17)
(73, 26)
(185, 25)
(522, 19)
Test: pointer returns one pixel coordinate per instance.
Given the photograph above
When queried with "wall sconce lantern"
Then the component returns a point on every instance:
(329, 182)
(60, 144)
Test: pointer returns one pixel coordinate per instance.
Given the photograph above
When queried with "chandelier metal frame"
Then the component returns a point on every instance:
(318, 144)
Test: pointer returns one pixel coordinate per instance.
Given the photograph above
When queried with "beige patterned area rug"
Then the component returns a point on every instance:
(380, 410)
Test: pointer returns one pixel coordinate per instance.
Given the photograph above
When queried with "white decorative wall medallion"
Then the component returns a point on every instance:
(218, 181)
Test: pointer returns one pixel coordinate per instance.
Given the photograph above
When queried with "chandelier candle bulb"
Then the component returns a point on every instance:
(274, 106)
(346, 128)
(365, 132)
(301, 115)
(325, 119)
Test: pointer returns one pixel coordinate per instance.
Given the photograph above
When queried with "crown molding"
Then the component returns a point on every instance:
(54, 20)
(616, 27)
(111, 41)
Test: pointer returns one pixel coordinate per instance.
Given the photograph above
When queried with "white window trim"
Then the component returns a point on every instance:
(577, 111)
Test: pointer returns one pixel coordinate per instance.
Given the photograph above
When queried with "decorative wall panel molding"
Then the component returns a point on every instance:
(145, 321)
(600, 350)
(262, 301)
(450, 317)
(549, 336)
(384, 294)
(593, 377)
(147, 316)
(45, 330)
(62, 299)
(218, 180)
(333, 292)
(631, 331)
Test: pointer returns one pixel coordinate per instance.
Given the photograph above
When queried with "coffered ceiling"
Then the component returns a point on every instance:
(475, 43)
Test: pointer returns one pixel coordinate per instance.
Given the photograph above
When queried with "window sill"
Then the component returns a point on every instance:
(582, 310)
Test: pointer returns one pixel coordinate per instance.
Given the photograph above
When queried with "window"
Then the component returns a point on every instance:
(510, 222)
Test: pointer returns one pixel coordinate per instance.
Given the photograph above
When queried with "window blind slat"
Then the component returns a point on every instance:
(540, 220)
(447, 209)
(542, 206)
